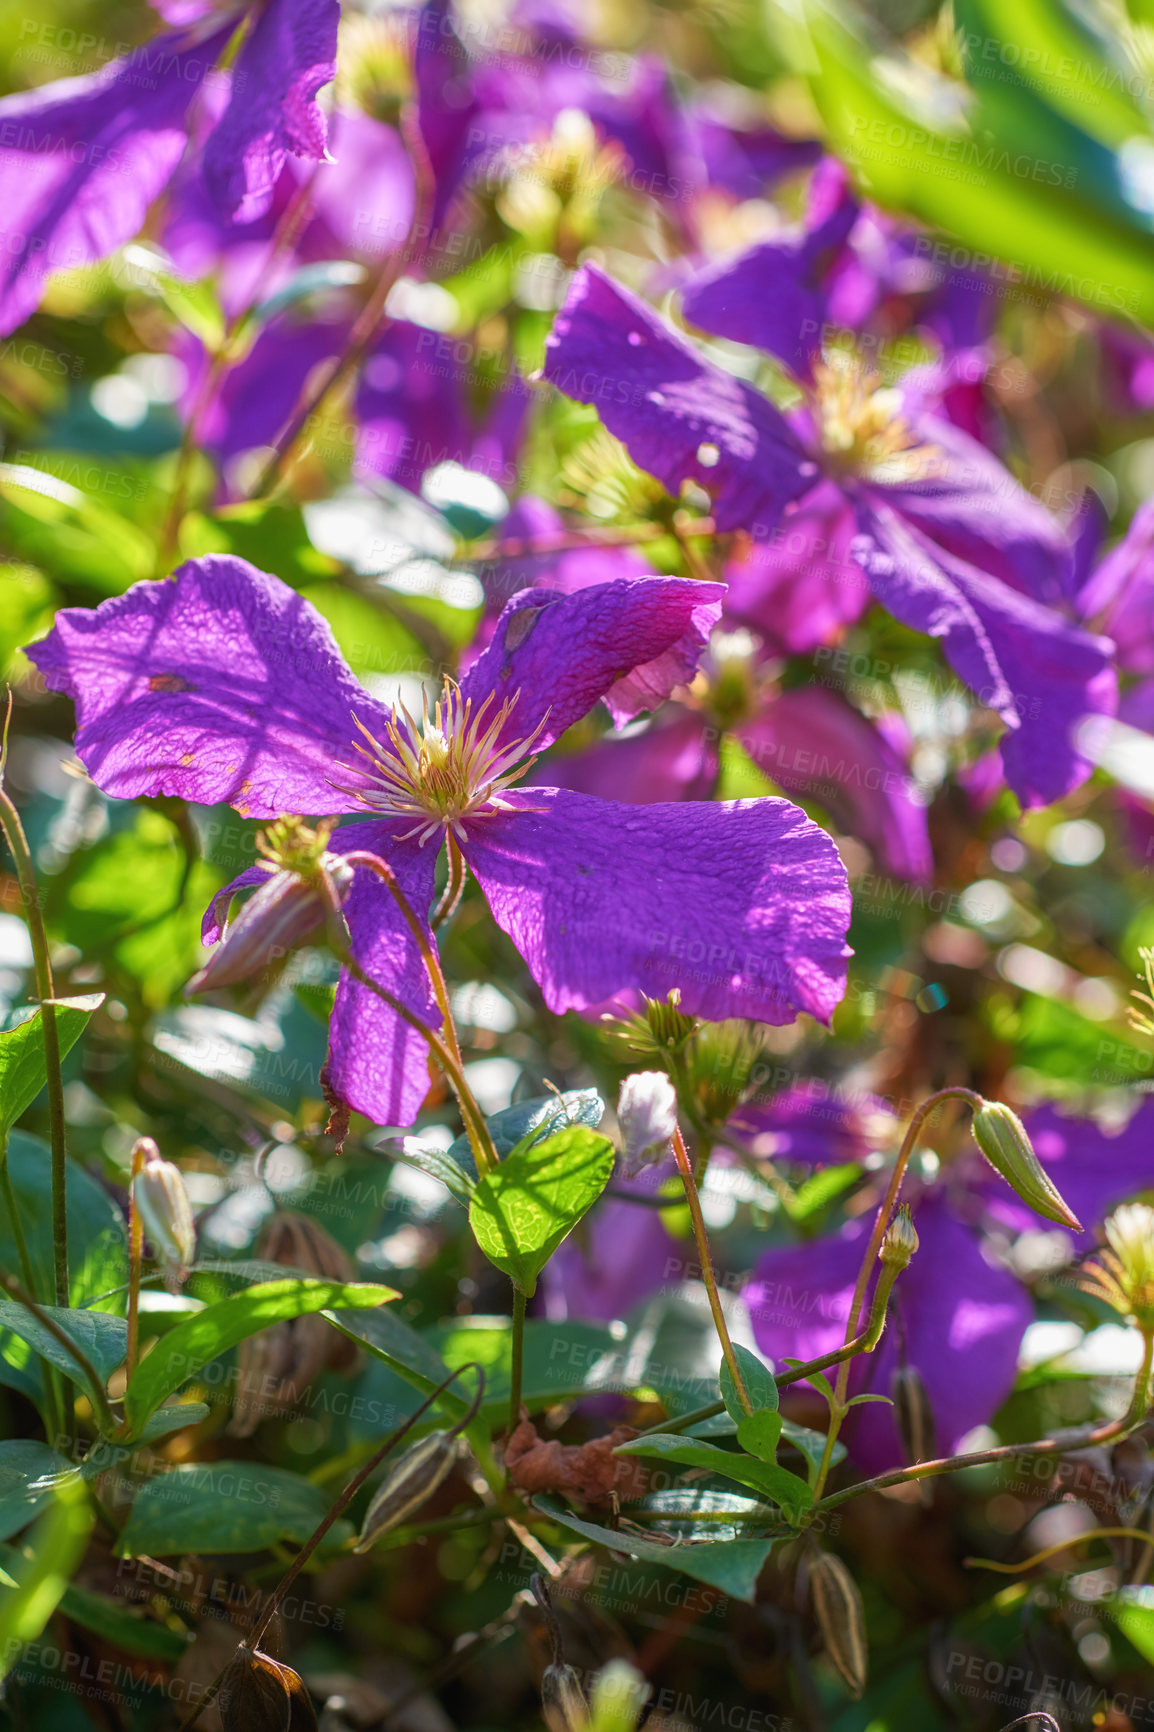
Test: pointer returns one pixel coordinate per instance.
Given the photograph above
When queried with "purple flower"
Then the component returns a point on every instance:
(620, 1256)
(224, 685)
(83, 158)
(927, 502)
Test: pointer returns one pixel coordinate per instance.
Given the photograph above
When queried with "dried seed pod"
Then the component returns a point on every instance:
(276, 1366)
(841, 1619)
(1002, 1138)
(914, 1415)
(563, 1704)
(411, 1483)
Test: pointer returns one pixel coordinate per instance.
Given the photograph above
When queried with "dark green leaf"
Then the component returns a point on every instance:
(760, 1434)
(759, 1384)
(777, 1483)
(27, 1471)
(438, 1164)
(521, 1212)
(101, 1338)
(543, 1114)
(181, 1353)
(125, 1629)
(220, 1506)
(733, 1566)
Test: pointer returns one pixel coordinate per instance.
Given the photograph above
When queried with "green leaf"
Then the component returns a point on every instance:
(817, 1378)
(220, 1506)
(521, 1213)
(760, 1434)
(178, 1416)
(27, 1472)
(860, 1400)
(543, 1114)
(181, 1353)
(97, 1249)
(776, 1483)
(101, 1338)
(438, 1164)
(821, 1188)
(41, 1570)
(1136, 1623)
(811, 1444)
(272, 536)
(23, 1072)
(72, 535)
(759, 1384)
(125, 1629)
(732, 1566)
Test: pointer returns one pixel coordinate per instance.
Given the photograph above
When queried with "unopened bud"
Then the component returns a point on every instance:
(901, 1240)
(1002, 1138)
(411, 1483)
(278, 917)
(647, 1113)
(161, 1201)
(841, 1619)
(563, 1704)
(260, 1694)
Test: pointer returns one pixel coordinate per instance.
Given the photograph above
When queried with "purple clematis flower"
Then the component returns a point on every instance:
(946, 539)
(83, 158)
(224, 685)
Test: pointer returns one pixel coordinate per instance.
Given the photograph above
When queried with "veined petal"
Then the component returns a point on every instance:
(629, 642)
(680, 417)
(83, 158)
(377, 1063)
(219, 684)
(272, 111)
(743, 905)
(1040, 674)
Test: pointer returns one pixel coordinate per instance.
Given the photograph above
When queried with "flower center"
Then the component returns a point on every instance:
(450, 766)
(859, 422)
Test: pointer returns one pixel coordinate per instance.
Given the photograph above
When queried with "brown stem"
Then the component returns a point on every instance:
(135, 1259)
(685, 1168)
(369, 321)
(881, 1222)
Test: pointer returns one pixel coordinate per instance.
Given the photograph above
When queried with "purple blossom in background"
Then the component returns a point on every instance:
(82, 159)
(925, 501)
(224, 685)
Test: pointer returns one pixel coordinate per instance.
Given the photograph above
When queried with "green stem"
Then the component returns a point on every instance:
(135, 1259)
(685, 1168)
(1088, 1437)
(516, 1358)
(838, 1409)
(45, 989)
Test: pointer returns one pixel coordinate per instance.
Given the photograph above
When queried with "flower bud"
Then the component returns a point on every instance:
(841, 1619)
(900, 1241)
(647, 1113)
(1001, 1136)
(563, 1704)
(161, 1201)
(279, 916)
(260, 1694)
(411, 1483)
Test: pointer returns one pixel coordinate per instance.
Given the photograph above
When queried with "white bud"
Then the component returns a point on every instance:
(165, 1213)
(647, 1114)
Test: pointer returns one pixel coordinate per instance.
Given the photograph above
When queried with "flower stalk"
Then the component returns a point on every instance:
(685, 1168)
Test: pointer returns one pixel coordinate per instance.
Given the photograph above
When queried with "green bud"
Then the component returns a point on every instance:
(165, 1212)
(901, 1240)
(1001, 1136)
(411, 1483)
(841, 1619)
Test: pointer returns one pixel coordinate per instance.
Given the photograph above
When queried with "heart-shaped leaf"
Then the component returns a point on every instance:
(521, 1212)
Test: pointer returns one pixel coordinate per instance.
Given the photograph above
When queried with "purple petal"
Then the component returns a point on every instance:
(1122, 591)
(960, 1320)
(366, 195)
(970, 504)
(411, 417)
(773, 296)
(447, 107)
(218, 684)
(810, 1123)
(1093, 1168)
(675, 760)
(816, 746)
(1038, 673)
(629, 642)
(257, 397)
(289, 54)
(216, 914)
(744, 905)
(799, 587)
(377, 1062)
(680, 417)
(81, 160)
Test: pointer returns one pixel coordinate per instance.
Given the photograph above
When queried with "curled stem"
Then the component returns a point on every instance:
(838, 1409)
(685, 1168)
